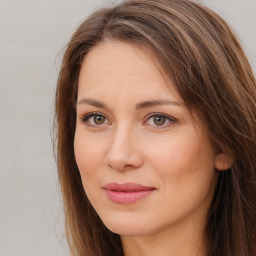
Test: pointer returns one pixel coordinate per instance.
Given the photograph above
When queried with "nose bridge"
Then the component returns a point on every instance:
(122, 137)
(123, 152)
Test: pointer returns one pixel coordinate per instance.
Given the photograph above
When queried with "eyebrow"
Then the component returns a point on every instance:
(141, 105)
(152, 103)
(92, 102)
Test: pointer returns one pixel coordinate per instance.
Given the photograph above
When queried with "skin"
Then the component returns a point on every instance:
(128, 145)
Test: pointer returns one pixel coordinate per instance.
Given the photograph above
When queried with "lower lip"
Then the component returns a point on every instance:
(127, 197)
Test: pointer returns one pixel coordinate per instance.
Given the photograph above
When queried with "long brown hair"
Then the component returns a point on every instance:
(197, 50)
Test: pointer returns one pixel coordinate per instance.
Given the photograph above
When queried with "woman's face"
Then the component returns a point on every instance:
(145, 164)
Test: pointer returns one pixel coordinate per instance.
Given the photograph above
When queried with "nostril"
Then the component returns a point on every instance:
(124, 164)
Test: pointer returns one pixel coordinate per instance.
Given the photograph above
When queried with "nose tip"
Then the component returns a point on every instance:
(121, 163)
(123, 153)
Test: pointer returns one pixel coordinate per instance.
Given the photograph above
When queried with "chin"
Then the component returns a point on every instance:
(127, 230)
(126, 226)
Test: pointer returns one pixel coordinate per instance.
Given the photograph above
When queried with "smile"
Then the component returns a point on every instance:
(127, 193)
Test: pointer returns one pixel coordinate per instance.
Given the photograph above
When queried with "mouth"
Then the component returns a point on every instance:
(127, 193)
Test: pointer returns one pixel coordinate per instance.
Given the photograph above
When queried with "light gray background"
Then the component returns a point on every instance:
(32, 34)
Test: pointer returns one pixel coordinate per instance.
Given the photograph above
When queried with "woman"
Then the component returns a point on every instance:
(156, 132)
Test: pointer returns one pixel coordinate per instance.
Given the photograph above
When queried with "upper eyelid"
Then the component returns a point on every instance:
(148, 116)
(88, 115)
(160, 114)
(94, 114)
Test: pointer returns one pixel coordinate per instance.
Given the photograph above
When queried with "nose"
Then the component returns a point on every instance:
(123, 152)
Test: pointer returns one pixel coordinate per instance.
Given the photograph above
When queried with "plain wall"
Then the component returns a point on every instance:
(32, 34)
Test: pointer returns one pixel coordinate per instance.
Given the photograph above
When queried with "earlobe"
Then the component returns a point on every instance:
(223, 162)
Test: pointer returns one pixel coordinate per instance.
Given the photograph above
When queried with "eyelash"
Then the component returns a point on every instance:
(169, 119)
(94, 114)
(88, 116)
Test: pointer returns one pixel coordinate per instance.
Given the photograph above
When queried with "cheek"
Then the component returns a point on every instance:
(88, 155)
(175, 152)
(185, 169)
(89, 158)
(183, 161)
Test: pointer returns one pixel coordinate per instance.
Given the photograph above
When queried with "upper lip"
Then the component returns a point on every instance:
(126, 187)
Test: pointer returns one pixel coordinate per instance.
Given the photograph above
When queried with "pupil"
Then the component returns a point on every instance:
(99, 119)
(159, 120)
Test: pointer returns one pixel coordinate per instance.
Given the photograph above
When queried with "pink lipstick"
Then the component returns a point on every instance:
(127, 193)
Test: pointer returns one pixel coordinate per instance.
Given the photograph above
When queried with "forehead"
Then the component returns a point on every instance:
(124, 65)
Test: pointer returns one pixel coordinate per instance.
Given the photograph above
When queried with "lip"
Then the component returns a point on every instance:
(127, 193)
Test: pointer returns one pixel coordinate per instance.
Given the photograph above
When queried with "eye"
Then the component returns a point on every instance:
(95, 119)
(159, 120)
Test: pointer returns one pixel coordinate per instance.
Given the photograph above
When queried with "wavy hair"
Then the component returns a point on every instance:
(201, 55)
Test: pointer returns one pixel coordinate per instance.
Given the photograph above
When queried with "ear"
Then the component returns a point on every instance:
(223, 162)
